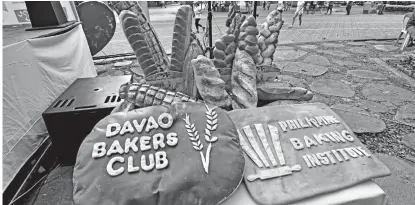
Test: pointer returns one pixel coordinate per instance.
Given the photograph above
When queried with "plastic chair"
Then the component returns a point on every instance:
(404, 32)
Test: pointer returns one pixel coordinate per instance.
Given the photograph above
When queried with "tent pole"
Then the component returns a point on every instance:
(255, 5)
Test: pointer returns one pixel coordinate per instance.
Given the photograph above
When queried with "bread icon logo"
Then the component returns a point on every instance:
(271, 162)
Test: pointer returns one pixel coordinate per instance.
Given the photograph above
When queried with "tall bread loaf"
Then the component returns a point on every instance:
(189, 86)
(153, 42)
(137, 39)
(268, 37)
(181, 37)
(209, 84)
(243, 81)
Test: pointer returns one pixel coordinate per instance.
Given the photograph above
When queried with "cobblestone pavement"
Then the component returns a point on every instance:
(315, 27)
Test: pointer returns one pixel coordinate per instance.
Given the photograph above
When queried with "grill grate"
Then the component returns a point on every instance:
(64, 103)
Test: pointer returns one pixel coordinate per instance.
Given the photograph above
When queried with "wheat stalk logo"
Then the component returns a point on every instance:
(211, 125)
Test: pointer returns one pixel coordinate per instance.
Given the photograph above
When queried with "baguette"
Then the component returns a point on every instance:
(181, 37)
(271, 91)
(243, 81)
(189, 86)
(209, 84)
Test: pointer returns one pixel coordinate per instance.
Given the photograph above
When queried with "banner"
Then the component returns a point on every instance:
(15, 12)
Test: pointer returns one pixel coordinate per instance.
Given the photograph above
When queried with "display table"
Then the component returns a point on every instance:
(37, 67)
(367, 193)
(59, 190)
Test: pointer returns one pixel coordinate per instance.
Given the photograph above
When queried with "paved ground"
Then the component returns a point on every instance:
(316, 27)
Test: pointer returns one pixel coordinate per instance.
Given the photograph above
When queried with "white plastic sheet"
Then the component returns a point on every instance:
(35, 72)
(367, 193)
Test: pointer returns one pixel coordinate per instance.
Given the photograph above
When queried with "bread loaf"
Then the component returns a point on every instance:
(220, 45)
(189, 86)
(136, 37)
(269, 51)
(243, 81)
(258, 58)
(251, 40)
(219, 63)
(142, 26)
(251, 21)
(242, 36)
(229, 58)
(252, 50)
(230, 49)
(242, 45)
(267, 61)
(268, 38)
(251, 30)
(144, 95)
(181, 37)
(228, 38)
(211, 87)
(219, 54)
(271, 91)
(265, 32)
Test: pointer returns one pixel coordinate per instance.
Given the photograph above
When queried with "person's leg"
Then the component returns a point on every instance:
(299, 18)
(294, 17)
(331, 9)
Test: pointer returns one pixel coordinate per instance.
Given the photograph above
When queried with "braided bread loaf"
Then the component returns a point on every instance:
(247, 37)
(224, 51)
(268, 38)
(243, 81)
(181, 37)
(209, 84)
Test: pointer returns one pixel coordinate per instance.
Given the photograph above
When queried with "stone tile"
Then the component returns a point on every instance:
(317, 60)
(349, 64)
(333, 45)
(373, 106)
(282, 55)
(332, 87)
(296, 82)
(409, 140)
(359, 50)
(340, 54)
(388, 93)
(367, 74)
(310, 47)
(358, 120)
(349, 108)
(386, 48)
(306, 69)
(406, 114)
